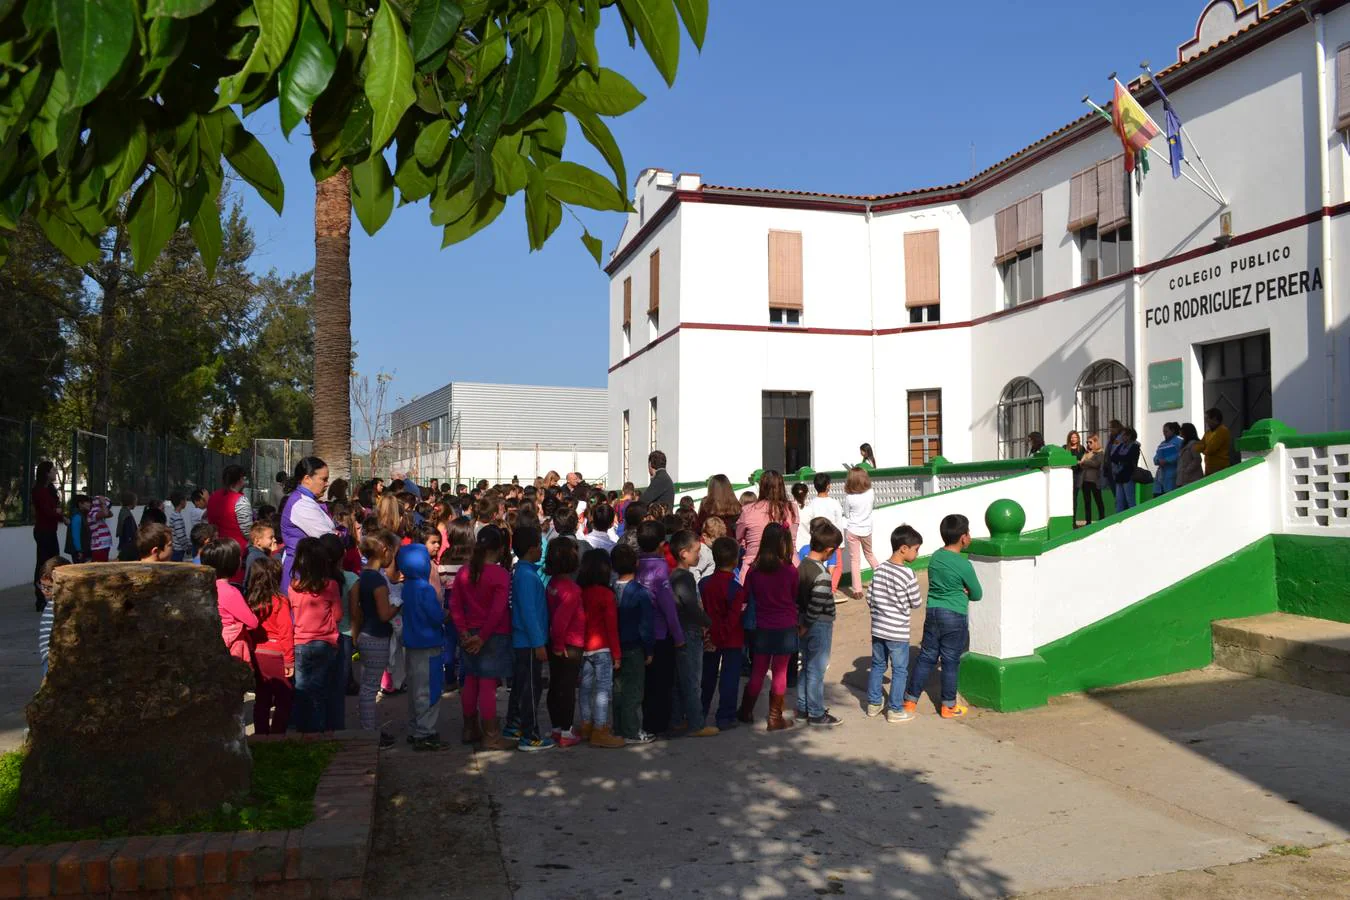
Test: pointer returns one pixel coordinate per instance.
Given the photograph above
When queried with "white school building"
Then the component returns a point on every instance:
(757, 327)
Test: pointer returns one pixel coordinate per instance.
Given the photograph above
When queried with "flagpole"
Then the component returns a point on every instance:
(1205, 189)
(1214, 182)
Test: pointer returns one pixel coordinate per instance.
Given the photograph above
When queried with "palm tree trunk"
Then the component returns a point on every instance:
(333, 323)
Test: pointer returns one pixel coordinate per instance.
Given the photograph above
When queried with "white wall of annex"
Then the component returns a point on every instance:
(638, 267)
(631, 387)
(727, 277)
(888, 261)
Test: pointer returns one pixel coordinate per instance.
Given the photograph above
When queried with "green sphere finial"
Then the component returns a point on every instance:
(1005, 520)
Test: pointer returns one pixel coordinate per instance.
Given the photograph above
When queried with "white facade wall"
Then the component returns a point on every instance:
(1255, 119)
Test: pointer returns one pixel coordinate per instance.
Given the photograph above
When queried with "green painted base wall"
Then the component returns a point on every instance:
(1161, 634)
(1312, 576)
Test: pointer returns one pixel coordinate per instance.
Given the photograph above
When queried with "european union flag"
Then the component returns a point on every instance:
(1174, 149)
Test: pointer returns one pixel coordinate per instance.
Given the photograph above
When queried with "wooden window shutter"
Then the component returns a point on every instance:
(1005, 234)
(654, 292)
(1083, 200)
(1029, 222)
(1343, 88)
(1113, 201)
(627, 302)
(785, 270)
(922, 269)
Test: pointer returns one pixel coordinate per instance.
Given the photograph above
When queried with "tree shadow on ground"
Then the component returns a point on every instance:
(747, 814)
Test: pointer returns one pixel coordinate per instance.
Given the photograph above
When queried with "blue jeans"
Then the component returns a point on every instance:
(597, 687)
(314, 662)
(897, 654)
(815, 656)
(946, 634)
(336, 710)
(1126, 496)
(688, 675)
(722, 676)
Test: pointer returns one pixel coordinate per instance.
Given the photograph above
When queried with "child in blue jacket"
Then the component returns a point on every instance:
(529, 641)
(423, 642)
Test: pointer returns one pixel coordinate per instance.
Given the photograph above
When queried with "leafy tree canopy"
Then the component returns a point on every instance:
(99, 98)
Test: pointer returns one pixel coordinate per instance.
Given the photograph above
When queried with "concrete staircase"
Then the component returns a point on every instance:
(1312, 653)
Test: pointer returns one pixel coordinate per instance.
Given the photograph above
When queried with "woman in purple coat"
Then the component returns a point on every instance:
(302, 515)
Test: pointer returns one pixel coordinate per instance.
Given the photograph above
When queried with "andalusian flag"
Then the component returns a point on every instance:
(1133, 125)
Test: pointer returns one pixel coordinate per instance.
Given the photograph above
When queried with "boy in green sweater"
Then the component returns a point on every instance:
(946, 629)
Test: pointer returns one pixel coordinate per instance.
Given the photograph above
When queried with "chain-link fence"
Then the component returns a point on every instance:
(122, 461)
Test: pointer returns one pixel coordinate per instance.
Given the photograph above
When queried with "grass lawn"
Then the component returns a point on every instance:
(285, 776)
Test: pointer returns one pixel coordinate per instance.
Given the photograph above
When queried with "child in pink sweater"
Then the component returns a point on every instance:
(482, 614)
(237, 621)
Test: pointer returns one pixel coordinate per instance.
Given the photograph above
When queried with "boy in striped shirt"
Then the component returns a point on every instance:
(894, 594)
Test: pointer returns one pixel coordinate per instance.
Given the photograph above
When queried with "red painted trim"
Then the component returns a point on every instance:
(656, 221)
(1247, 237)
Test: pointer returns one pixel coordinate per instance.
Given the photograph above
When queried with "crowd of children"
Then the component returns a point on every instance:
(643, 618)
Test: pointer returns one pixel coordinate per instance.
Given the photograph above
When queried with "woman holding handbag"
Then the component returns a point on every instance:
(1124, 461)
(1091, 464)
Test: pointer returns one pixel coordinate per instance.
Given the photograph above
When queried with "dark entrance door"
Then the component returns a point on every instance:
(787, 430)
(1237, 380)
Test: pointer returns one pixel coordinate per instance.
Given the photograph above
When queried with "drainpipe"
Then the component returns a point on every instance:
(1324, 167)
(872, 319)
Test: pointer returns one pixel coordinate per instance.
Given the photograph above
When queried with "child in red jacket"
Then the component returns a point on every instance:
(601, 655)
(274, 658)
(724, 602)
(566, 637)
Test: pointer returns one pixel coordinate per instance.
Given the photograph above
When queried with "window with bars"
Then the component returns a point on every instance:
(627, 444)
(925, 425)
(1021, 412)
(1105, 392)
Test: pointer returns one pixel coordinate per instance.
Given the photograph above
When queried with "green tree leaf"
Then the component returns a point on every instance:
(695, 16)
(68, 237)
(608, 93)
(483, 213)
(152, 218)
(306, 73)
(414, 181)
(277, 20)
(94, 37)
(508, 166)
(433, 24)
(521, 79)
(204, 220)
(576, 184)
(177, 9)
(448, 207)
(593, 245)
(655, 23)
(372, 192)
(250, 160)
(431, 143)
(547, 28)
(389, 70)
(602, 139)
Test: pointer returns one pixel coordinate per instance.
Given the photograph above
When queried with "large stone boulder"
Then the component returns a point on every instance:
(140, 716)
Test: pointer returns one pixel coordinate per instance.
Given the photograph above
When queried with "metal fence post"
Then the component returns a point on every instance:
(74, 460)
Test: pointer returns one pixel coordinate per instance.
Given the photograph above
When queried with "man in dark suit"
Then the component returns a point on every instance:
(661, 489)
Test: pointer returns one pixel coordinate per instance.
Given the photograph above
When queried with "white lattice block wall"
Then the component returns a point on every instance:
(1316, 490)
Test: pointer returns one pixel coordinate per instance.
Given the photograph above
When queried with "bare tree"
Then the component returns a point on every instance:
(368, 400)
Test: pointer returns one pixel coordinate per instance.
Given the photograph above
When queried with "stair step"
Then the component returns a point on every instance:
(1312, 653)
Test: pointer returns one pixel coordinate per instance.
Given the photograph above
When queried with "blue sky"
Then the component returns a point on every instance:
(885, 96)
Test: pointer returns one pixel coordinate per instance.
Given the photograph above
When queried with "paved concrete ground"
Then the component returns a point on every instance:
(1185, 775)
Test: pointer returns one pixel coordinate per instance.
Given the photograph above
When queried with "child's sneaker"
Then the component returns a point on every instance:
(586, 730)
(874, 710)
(955, 711)
(511, 732)
(706, 731)
(898, 715)
(556, 734)
(430, 743)
(643, 737)
(386, 740)
(827, 720)
(534, 745)
(568, 738)
(911, 706)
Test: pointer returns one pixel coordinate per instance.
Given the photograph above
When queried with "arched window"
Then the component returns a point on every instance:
(1105, 392)
(1021, 410)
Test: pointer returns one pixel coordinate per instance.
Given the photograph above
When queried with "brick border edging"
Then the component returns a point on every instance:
(326, 858)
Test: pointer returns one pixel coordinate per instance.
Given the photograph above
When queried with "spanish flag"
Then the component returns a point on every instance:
(1133, 125)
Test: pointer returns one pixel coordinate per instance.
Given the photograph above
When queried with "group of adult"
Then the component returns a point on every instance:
(1183, 457)
(302, 514)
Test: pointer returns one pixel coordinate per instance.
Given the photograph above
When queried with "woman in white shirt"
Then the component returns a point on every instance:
(858, 501)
